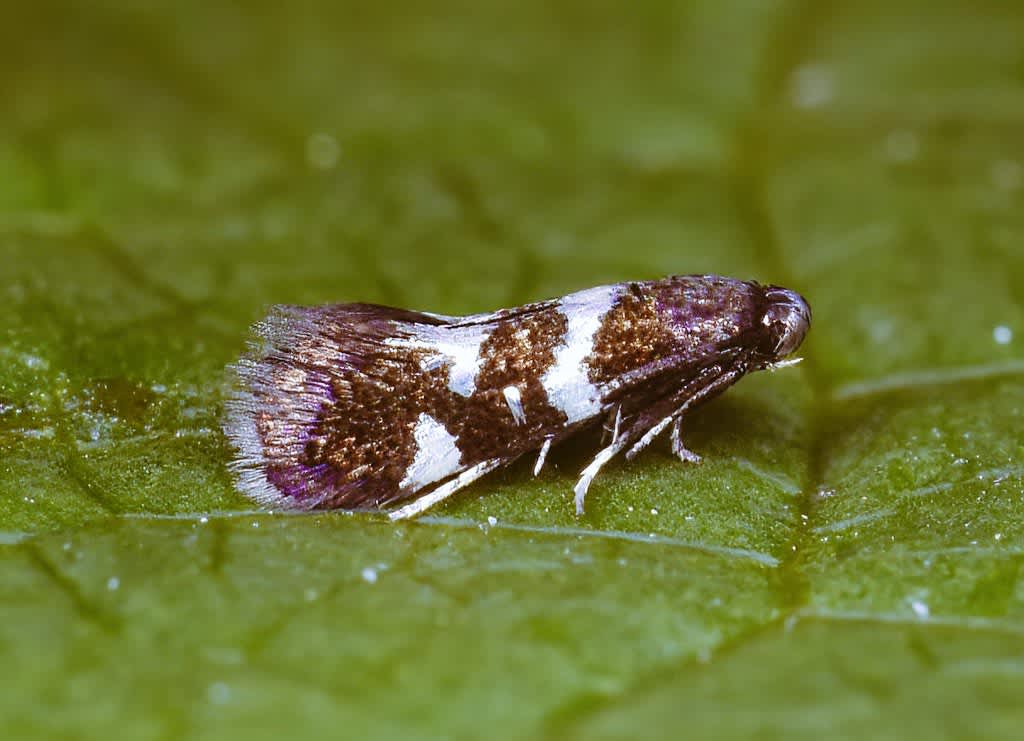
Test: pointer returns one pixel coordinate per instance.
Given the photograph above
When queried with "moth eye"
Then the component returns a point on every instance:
(787, 318)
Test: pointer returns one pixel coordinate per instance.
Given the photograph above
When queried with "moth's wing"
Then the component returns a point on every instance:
(305, 364)
(502, 315)
(460, 344)
(665, 381)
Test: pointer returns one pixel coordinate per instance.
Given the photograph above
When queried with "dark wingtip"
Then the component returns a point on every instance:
(277, 401)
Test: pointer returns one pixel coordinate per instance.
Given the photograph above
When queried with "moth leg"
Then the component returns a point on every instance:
(542, 456)
(445, 490)
(611, 424)
(649, 436)
(606, 454)
(587, 474)
(685, 455)
(717, 384)
(640, 435)
(619, 441)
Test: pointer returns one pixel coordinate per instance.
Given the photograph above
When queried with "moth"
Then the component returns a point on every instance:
(359, 406)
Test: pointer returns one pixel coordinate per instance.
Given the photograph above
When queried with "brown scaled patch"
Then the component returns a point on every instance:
(632, 335)
(369, 433)
(518, 352)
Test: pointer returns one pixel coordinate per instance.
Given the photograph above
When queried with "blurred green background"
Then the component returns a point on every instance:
(846, 562)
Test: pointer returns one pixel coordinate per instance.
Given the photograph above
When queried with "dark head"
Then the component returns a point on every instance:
(786, 319)
(726, 320)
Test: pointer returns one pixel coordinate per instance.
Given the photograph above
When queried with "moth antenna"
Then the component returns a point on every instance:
(778, 364)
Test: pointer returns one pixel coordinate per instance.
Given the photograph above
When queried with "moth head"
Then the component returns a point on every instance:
(786, 319)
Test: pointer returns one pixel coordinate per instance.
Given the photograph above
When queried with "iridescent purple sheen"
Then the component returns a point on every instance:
(707, 313)
(310, 486)
(336, 404)
(711, 315)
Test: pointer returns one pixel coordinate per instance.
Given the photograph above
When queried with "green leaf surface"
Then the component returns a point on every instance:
(846, 562)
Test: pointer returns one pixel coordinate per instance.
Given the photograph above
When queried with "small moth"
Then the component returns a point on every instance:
(358, 406)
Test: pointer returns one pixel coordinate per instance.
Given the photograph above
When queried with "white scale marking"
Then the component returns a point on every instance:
(458, 347)
(514, 399)
(437, 454)
(566, 382)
